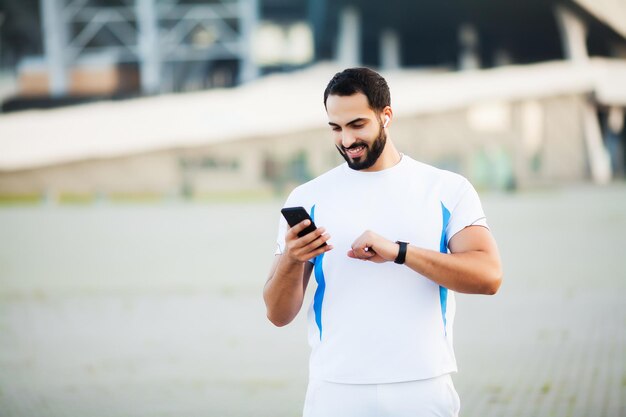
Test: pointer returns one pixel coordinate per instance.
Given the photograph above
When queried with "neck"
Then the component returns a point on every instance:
(390, 157)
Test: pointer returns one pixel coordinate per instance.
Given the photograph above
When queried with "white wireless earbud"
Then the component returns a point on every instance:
(386, 121)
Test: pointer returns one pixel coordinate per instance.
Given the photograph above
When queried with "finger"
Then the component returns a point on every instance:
(355, 253)
(294, 230)
(322, 249)
(361, 253)
(308, 255)
(309, 243)
(306, 239)
(310, 239)
(316, 243)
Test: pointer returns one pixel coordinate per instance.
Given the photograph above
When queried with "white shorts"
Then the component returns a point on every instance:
(435, 397)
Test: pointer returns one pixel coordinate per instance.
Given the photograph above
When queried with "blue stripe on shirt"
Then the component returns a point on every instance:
(443, 248)
(318, 299)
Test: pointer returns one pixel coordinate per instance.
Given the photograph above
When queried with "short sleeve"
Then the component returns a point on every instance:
(294, 199)
(280, 239)
(468, 211)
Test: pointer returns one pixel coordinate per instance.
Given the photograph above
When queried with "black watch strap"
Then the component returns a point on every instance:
(401, 253)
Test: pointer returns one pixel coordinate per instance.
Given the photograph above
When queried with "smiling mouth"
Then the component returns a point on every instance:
(355, 151)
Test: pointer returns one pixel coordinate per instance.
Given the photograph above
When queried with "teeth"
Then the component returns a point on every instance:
(355, 150)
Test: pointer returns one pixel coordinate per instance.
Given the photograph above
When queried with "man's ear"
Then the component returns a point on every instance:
(387, 115)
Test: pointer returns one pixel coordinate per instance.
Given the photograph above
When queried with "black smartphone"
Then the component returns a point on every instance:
(295, 215)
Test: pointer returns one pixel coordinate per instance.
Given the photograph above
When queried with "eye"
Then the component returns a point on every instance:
(336, 129)
(359, 126)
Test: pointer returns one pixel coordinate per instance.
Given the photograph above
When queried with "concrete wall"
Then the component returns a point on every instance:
(499, 145)
(82, 80)
(496, 145)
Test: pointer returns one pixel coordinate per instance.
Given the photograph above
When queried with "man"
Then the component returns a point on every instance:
(402, 237)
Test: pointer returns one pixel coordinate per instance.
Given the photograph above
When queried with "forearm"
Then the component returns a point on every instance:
(284, 292)
(472, 272)
(473, 266)
(289, 276)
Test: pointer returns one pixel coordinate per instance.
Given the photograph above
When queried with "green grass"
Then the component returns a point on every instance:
(138, 197)
(75, 198)
(244, 196)
(20, 199)
(87, 198)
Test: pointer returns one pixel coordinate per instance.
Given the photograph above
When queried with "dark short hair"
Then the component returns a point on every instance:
(360, 80)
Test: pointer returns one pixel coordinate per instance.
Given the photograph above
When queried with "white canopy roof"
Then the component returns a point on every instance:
(611, 12)
(273, 105)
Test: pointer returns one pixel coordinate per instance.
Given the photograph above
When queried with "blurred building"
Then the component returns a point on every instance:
(116, 48)
(106, 48)
(511, 95)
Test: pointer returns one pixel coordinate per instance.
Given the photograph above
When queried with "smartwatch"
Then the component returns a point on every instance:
(402, 252)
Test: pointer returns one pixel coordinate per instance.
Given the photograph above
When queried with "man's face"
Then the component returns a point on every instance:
(357, 130)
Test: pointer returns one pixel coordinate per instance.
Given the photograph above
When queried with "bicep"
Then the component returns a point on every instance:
(476, 248)
(474, 238)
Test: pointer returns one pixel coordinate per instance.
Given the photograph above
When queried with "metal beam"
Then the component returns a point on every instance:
(573, 35)
(249, 20)
(349, 42)
(390, 51)
(55, 39)
(149, 32)
(148, 41)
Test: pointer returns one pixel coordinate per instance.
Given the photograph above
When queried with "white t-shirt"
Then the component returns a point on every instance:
(382, 323)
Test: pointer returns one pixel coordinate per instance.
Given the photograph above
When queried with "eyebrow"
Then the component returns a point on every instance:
(351, 122)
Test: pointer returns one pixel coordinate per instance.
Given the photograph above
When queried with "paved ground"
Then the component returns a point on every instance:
(149, 310)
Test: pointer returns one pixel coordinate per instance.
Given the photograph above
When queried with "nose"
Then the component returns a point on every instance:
(347, 138)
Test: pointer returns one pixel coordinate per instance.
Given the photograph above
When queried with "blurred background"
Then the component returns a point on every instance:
(146, 147)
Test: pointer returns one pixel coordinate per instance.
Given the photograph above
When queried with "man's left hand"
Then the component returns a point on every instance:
(373, 247)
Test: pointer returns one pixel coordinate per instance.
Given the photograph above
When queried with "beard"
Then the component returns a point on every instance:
(372, 153)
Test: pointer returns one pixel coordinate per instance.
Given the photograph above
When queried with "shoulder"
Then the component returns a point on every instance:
(448, 180)
(449, 187)
(320, 182)
(311, 190)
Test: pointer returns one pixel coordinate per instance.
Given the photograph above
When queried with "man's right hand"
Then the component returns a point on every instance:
(302, 249)
(290, 272)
